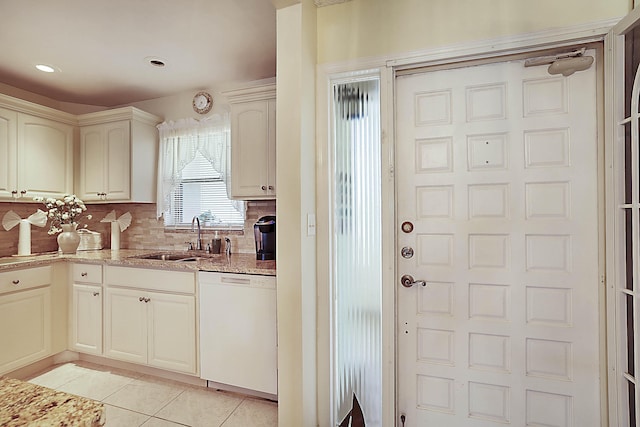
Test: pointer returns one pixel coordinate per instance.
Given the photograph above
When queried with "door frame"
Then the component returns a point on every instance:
(614, 88)
(387, 68)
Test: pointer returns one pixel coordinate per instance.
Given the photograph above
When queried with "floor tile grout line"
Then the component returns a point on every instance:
(127, 409)
(170, 421)
(232, 412)
(169, 402)
(85, 372)
(119, 389)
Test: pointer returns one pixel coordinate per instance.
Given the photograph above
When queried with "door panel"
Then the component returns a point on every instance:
(125, 329)
(497, 171)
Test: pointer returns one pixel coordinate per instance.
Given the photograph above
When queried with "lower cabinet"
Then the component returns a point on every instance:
(150, 327)
(86, 308)
(25, 317)
(172, 332)
(86, 319)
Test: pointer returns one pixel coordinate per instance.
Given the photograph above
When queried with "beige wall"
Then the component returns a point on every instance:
(378, 28)
(179, 105)
(295, 159)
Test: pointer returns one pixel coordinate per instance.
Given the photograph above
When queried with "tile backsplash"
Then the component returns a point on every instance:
(145, 232)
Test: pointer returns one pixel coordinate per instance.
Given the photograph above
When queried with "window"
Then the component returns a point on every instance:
(192, 175)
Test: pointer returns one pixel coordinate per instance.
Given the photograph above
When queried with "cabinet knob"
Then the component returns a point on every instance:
(141, 299)
(83, 274)
(147, 299)
(23, 192)
(95, 294)
(264, 188)
(14, 193)
(271, 187)
(15, 282)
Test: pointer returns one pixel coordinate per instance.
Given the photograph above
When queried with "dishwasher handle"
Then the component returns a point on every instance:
(236, 280)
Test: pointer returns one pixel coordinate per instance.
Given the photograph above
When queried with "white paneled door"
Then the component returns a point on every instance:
(497, 173)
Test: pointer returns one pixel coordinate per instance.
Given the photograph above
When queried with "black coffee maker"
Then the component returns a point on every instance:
(265, 234)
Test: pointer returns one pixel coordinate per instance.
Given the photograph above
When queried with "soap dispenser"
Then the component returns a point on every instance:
(216, 243)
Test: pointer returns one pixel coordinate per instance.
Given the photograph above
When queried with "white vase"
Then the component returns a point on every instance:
(69, 239)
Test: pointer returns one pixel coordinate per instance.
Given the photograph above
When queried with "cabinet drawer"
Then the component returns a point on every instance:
(155, 280)
(17, 280)
(87, 273)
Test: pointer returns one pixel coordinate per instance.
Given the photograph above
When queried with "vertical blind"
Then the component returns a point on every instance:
(357, 252)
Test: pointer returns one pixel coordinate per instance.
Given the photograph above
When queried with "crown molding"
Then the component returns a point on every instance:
(281, 4)
(28, 107)
(117, 114)
(323, 3)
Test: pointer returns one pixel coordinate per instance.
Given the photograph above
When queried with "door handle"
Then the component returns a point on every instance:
(407, 281)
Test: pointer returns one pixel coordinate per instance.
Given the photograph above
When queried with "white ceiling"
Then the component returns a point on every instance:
(100, 46)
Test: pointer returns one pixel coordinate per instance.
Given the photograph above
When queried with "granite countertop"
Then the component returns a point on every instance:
(26, 404)
(236, 263)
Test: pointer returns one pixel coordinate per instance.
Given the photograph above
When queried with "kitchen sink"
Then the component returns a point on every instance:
(177, 257)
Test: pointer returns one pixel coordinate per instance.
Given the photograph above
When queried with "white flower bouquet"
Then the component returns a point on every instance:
(67, 210)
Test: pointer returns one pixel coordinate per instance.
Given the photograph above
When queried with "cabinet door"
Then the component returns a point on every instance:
(271, 183)
(8, 159)
(92, 163)
(118, 156)
(125, 329)
(172, 332)
(25, 328)
(250, 150)
(86, 319)
(45, 157)
(105, 161)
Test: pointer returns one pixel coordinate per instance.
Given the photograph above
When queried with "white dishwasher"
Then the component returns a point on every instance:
(238, 338)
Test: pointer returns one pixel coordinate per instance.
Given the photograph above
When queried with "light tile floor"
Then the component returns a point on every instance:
(133, 399)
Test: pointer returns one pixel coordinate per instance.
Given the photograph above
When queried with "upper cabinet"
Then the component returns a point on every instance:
(253, 142)
(118, 156)
(36, 150)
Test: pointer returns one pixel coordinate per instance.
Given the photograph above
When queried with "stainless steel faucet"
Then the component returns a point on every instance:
(227, 246)
(199, 241)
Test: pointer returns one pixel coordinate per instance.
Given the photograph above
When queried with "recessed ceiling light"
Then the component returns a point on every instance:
(155, 61)
(45, 68)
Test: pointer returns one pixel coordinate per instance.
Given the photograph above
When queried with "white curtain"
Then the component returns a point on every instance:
(180, 141)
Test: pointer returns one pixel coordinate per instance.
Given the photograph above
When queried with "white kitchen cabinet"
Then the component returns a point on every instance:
(86, 309)
(125, 325)
(36, 151)
(8, 156)
(118, 156)
(86, 321)
(25, 317)
(150, 317)
(253, 143)
(171, 332)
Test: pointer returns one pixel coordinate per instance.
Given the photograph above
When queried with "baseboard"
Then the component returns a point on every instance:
(27, 372)
(65, 357)
(31, 370)
(146, 370)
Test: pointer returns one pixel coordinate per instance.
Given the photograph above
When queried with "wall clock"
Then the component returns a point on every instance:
(202, 102)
